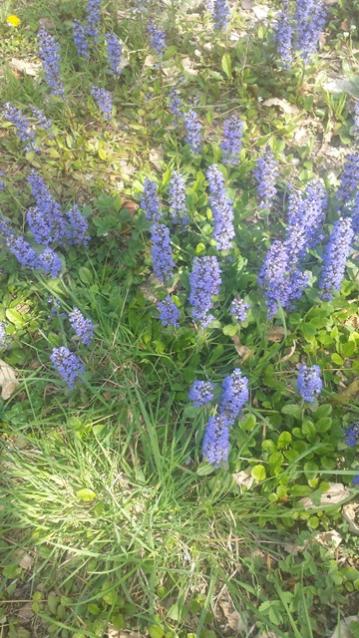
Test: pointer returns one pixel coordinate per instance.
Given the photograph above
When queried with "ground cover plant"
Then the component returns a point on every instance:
(179, 204)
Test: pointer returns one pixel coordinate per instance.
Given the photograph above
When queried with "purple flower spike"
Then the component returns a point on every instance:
(193, 128)
(220, 13)
(235, 394)
(349, 180)
(232, 140)
(177, 198)
(335, 257)
(103, 99)
(266, 175)
(309, 382)
(239, 310)
(222, 209)
(114, 53)
(22, 126)
(49, 52)
(169, 313)
(150, 203)
(93, 14)
(67, 364)
(215, 445)
(80, 39)
(205, 282)
(162, 259)
(352, 435)
(157, 38)
(83, 328)
(201, 393)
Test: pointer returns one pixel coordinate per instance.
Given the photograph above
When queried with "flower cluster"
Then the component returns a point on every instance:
(157, 38)
(76, 227)
(49, 262)
(239, 310)
(114, 53)
(356, 120)
(175, 105)
(352, 435)
(67, 364)
(266, 175)
(205, 282)
(45, 220)
(150, 203)
(235, 394)
(222, 209)
(2, 182)
(82, 327)
(220, 13)
(169, 313)
(284, 36)
(282, 283)
(162, 259)
(232, 140)
(349, 180)
(299, 28)
(354, 214)
(22, 125)
(193, 129)
(177, 198)
(309, 382)
(335, 257)
(310, 18)
(49, 52)
(43, 121)
(103, 99)
(306, 215)
(4, 341)
(46, 261)
(93, 17)
(215, 445)
(80, 39)
(201, 393)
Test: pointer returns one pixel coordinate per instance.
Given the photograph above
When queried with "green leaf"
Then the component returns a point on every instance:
(324, 424)
(324, 410)
(259, 472)
(292, 409)
(85, 275)
(86, 495)
(52, 602)
(205, 469)
(284, 440)
(15, 317)
(155, 631)
(336, 358)
(227, 65)
(230, 330)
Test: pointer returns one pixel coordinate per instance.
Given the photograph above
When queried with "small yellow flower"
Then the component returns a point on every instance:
(13, 21)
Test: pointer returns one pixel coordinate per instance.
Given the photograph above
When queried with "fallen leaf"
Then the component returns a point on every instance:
(25, 66)
(348, 394)
(8, 380)
(243, 351)
(130, 205)
(243, 478)
(286, 107)
(330, 539)
(276, 333)
(233, 618)
(156, 157)
(342, 630)
(336, 494)
(26, 562)
(25, 613)
(351, 515)
(189, 66)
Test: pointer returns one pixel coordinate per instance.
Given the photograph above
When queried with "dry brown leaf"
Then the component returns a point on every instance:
(130, 205)
(342, 630)
(243, 351)
(156, 157)
(25, 66)
(8, 380)
(26, 562)
(276, 333)
(25, 613)
(243, 479)
(336, 494)
(349, 393)
(112, 632)
(330, 539)
(351, 515)
(286, 107)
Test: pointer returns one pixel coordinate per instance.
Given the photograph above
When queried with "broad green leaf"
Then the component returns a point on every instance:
(259, 472)
(227, 65)
(86, 495)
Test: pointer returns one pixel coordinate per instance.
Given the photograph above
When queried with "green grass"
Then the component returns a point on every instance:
(110, 520)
